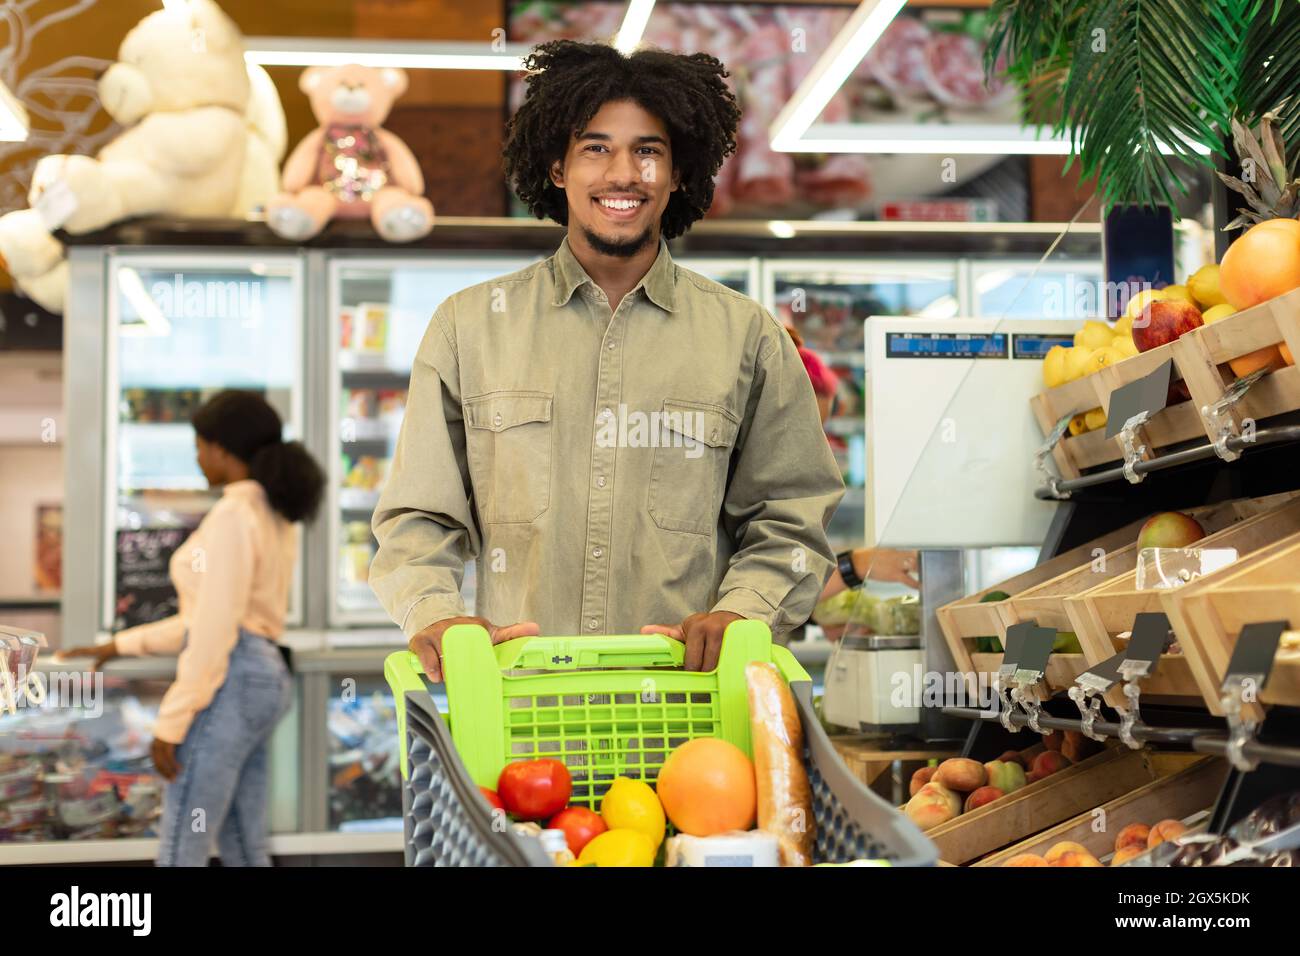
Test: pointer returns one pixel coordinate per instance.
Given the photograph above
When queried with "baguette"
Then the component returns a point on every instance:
(784, 796)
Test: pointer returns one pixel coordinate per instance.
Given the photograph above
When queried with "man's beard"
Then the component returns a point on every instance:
(624, 248)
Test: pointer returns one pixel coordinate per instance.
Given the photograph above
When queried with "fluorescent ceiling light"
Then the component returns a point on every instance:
(411, 55)
(793, 130)
(14, 123)
(841, 58)
(781, 229)
(634, 21)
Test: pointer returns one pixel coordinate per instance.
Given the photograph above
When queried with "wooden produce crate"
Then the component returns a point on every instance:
(1214, 609)
(1039, 592)
(1184, 784)
(966, 619)
(1102, 613)
(1200, 361)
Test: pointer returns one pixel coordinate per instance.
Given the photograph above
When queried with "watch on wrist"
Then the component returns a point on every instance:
(844, 560)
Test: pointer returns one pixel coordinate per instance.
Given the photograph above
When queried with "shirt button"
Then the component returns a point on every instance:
(715, 435)
(607, 413)
(596, 552)
(591, 625)
(496, 420)
(600, 482)
(611, 346)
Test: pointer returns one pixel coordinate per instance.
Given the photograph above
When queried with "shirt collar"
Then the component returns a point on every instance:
(245, 486)
(659, 282)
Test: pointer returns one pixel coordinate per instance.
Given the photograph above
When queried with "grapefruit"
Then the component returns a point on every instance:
(707, 786)
(1262, 264)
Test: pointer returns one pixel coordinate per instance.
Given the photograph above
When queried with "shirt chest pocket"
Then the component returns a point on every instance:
(689, 471)
(509, 437)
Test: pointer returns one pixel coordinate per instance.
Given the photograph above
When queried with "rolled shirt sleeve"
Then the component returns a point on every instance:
(225, 580)
(165, 636)
(782, 493)
(424, 521)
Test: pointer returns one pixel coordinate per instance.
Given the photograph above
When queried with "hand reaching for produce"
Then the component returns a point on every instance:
(887, 564)
(164, 759)
(702, 635)
(427, 645)
(98, 653)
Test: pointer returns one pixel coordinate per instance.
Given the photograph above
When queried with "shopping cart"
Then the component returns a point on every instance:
(607, 706)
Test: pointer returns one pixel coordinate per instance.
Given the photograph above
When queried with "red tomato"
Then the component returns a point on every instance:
(493, 800)
(535, 789)
(580, 826)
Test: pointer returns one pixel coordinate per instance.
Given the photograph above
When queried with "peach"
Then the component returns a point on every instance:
(961, 773)
(1076, 747)
(1075, 858)
(1126, 853)
(1027, 859)
(1053, 741)
(933, 805)
(1032, 777)
(1049, 762)
(1135, 834)
(1065, 846)
(980, 797)
(920, 779)
(1012, 756)
(1005, 775)
(1165, 830)
(1169, 529)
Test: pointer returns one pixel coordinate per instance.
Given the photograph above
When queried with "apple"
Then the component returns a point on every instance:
(983, 795)
(1165, 321)
(1005, 775)
(1169, 529)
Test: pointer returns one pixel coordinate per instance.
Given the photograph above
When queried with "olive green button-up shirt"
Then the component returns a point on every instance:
(606, 470)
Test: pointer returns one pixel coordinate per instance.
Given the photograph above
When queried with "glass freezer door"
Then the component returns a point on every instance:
(182, 328)
(379, 311)
(826, 300)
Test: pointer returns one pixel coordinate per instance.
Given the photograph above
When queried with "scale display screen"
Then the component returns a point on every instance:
(954, 345)
(1035, 345)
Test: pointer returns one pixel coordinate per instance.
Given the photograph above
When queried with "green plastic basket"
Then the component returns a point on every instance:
(607, 706)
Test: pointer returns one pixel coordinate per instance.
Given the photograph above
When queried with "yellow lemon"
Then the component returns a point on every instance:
(1078, 424)
(1178, 292)
(1143, 300)
(1054, 366)
(618, 848)
(1220, 311)
(633, 805)
(1094, 335)
(1204, 286)
(1093, 420)
(1124, 327)
(1125, 346)
(1100, 358)
(1076, 362)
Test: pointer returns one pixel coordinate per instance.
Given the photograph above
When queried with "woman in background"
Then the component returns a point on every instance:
(232, 577)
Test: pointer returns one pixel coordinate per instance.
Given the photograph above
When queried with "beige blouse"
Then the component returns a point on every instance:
(233, 572)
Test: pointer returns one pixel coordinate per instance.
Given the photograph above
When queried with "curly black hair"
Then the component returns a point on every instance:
(568, 82)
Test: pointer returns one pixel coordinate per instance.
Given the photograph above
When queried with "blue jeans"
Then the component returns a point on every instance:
(222, 784)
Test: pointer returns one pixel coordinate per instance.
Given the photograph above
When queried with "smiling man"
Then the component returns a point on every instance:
(622, 444)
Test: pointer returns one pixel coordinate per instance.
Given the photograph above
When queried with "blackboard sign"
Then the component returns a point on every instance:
(142, 587)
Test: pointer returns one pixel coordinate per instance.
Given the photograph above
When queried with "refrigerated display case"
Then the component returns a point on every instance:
(1029, 289)
(826, 301)
(180, 329)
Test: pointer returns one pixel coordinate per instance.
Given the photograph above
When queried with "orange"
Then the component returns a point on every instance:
(707, 786)
(1245, 364)
(1285, 352)
(1262, 264)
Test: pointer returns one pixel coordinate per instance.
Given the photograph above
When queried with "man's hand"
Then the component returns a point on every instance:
(887, 564)
(164, 759)
(702, 634)
(98, 653)
(427, 645)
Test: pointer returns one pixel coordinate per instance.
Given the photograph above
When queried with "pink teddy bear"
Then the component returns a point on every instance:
(350, 166)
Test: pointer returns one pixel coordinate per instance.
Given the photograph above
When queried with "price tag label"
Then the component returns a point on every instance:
(1037, 648)
(1148, 394)
(1151, 637)
(1015, 643)
(1252, 658)
(1101, 677)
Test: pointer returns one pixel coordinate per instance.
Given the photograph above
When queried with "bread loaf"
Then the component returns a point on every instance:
(784, 796)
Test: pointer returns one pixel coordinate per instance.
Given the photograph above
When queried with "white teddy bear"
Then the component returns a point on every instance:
(205, 133)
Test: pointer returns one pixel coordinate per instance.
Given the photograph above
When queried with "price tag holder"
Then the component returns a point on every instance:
(1151, 637)
(1252, 658)
(1037, 648)
(1102, 677)
(1148, 394)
